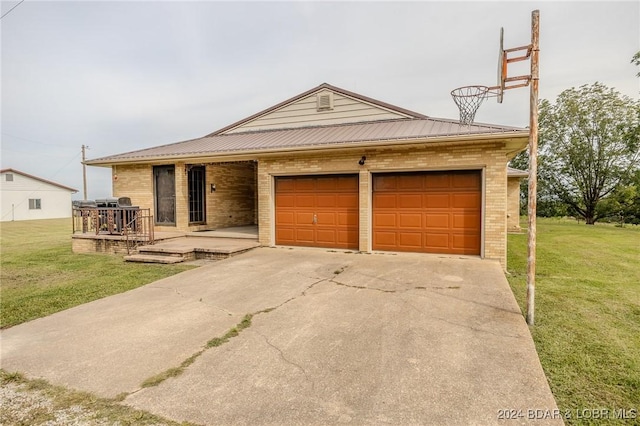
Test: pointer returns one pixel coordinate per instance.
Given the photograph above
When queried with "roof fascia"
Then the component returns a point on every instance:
(520, 138)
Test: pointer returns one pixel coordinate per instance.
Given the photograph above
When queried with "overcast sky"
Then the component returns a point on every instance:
(119, 76)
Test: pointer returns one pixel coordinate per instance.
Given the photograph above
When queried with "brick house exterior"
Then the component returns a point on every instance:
(332, 168)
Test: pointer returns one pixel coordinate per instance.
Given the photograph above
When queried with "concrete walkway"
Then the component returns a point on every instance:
(349, 338)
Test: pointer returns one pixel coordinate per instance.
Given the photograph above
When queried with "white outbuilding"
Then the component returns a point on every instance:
(28, 197)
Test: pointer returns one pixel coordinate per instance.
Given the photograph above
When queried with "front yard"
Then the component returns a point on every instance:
(40, 275)
(587, 329)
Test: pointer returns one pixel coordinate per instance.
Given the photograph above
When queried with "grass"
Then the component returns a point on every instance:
(587, 314)
(102, 410)
(40, 275)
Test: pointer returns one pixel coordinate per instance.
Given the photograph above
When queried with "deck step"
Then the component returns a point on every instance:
(152, 258)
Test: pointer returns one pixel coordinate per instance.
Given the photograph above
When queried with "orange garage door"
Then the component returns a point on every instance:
(317, 211)
(431, 212)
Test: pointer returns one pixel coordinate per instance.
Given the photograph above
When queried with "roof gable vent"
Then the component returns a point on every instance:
(325, 101)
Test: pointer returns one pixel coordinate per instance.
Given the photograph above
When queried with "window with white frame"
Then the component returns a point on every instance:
(35, 204)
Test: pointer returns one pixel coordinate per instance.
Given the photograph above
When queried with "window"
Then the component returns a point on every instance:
(34, 204)
(9, 177)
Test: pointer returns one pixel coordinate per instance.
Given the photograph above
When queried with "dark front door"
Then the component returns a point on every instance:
(196, 177)
(164, 180)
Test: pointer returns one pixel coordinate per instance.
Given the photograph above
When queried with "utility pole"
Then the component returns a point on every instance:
(533, 166)
(84, 172)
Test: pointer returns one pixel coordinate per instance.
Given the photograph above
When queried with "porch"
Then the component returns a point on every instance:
(147, 245)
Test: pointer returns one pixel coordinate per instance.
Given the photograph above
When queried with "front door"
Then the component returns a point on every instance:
(164, 181)
(195, 178)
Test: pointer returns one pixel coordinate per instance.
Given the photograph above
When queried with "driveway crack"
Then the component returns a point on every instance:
(287, 360)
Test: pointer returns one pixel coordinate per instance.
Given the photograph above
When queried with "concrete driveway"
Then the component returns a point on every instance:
(335, 338)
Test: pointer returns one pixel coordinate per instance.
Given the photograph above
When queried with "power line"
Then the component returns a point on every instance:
(9, 11)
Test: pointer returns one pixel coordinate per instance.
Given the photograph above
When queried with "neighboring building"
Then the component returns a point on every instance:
(332, 168)
(513, 198)
(27, 197)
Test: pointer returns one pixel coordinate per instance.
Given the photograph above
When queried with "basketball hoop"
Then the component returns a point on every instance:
(468, 99)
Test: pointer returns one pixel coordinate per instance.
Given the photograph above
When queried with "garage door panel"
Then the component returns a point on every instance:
(347, 184)
(386, 238)
(285, 218)
(326, 219)
(437, 201)
(437, 221)
(466, 221)
(349, 201)
(346, 237)
(463, 242)
(348, 219)
(303, 218)
(286, 200)
(410, 220)
(385, 220)
(409, 201)
(286, 235)
(409, 182)
(328, 184)
(465, 200)
(304, 235)
(385, 183)
(285, 185)
(469, 180)
(317, 211)
(304, 184)
(435, 212)
(385, 201)
(304, 201)
(326, 236)
(410, 240)
(437, 180)
(437, 241)
(326, 200)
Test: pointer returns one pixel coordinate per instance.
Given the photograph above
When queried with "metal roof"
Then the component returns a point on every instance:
(511, 172)
(18, 172)
(318, 137)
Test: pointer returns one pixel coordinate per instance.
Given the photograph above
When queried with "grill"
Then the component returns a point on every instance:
(114, 214)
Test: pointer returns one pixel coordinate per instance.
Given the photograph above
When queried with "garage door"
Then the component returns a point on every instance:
(317, 211)
(431, 212)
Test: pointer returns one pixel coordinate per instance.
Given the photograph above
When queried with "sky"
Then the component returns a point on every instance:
(119, 76)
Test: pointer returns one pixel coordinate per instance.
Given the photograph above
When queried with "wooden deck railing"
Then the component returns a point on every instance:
(135, 225)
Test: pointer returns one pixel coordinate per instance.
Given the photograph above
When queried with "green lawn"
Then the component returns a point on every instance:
(587, 316)
(40, 275)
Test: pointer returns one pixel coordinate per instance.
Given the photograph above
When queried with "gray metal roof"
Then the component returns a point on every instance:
(511, 172)
(318, 137)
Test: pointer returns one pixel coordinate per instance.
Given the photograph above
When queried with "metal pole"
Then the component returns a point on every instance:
(84, 174)
(533, 166)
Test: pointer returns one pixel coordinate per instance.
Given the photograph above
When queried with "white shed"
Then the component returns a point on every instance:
(27, 197)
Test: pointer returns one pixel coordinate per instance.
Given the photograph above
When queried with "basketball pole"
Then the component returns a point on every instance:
(533, 166)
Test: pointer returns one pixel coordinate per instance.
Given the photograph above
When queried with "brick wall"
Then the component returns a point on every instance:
(491, 157)
(513, 203)
(232, 204)
(234, 201)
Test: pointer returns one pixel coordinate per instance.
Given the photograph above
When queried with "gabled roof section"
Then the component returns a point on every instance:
(370, 134)
(322, 105)
(18, 172)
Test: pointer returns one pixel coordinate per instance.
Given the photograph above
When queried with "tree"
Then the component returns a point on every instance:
(636, 61)
(589, 141)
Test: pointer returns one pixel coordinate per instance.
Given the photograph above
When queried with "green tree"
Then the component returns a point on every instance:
(589, 141)
(636, 61)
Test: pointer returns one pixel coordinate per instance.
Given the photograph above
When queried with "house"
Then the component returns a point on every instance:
(336, 169)
(26, 197)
